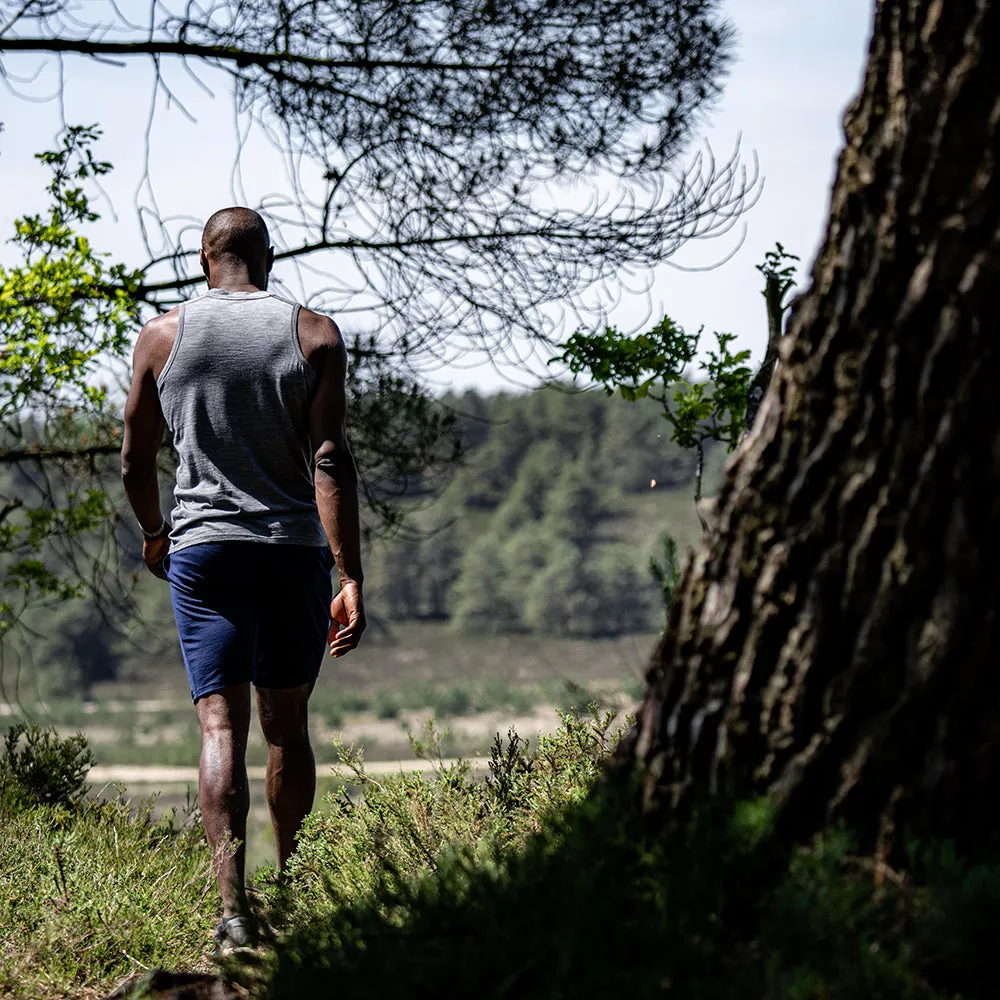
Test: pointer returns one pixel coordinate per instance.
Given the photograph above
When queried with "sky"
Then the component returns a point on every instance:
(798, 64)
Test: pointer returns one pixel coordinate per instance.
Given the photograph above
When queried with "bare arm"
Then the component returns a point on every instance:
(141, 442)
(336, 480)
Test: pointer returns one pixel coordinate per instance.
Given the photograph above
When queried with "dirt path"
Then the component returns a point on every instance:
(158, 774)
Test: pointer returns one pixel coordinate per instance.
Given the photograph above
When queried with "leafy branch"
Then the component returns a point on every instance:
(657, 364)
(64, 310)
(778, 270)
(717, 402)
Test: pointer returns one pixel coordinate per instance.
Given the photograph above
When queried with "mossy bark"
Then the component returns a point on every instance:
(836, 643)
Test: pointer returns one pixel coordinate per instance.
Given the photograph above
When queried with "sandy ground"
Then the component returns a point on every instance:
(157, 774)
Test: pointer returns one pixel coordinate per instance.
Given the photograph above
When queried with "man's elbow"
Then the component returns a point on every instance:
(334, 460)
(137, 470)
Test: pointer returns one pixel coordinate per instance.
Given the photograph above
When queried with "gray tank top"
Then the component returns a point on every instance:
(235, 394)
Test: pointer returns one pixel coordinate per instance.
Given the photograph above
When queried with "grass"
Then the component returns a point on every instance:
(91, 892)
(88, 899)
(543, 882)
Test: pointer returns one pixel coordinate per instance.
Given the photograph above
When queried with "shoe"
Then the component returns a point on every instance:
(235, 935)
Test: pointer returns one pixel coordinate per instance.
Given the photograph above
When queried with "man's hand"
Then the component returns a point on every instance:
(154, 551)
(347, 613)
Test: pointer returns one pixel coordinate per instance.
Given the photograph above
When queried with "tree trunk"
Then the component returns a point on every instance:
(836, 644)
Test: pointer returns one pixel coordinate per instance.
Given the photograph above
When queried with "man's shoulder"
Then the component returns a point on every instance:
(162, 325)
(156, 339)
(318, 335)
(319, 326)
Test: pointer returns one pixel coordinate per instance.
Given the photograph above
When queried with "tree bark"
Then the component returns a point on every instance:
(836, 644)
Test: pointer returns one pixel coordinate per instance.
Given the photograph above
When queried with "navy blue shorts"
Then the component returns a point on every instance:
(250, 612)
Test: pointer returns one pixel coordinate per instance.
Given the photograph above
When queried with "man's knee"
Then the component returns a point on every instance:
(284, 715)
(225, 713)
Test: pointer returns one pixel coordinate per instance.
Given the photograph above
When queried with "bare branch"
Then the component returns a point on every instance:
(9, 456)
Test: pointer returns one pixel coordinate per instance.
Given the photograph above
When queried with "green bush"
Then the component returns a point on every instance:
(454, 700)
(39, 768)
(387, 705)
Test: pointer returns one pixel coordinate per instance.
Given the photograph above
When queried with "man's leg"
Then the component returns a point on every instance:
(291, 767)
(223, 791)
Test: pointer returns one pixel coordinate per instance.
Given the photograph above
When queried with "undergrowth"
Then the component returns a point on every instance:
(539, 880)
(545, 882)
(373, 835)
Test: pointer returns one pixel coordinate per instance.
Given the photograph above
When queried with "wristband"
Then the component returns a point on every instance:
(150, 535)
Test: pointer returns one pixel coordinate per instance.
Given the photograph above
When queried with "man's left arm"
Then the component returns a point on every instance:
(143, 433)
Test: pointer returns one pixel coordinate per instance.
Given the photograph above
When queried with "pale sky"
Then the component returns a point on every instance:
(799, 62)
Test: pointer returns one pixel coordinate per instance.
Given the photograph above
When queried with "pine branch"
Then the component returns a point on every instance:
(241, 57)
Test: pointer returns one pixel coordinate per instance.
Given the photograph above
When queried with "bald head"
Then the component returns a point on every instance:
(235, 249)
(235, 234)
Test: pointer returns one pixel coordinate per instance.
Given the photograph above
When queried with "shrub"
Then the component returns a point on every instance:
(40, 768)
(369, 843)
(454, 700)
(386, 705)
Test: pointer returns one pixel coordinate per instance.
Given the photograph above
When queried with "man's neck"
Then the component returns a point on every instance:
(235, 280)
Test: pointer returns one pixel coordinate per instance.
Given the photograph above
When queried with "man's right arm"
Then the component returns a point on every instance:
(336, 479)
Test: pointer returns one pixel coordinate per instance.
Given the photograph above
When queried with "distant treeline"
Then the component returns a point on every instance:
(546, 526)
(535, 532)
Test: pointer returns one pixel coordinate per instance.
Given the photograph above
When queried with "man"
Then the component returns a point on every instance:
(266, 500)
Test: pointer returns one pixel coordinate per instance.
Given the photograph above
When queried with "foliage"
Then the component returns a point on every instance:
(65, 314)
(542, 574)
(713, 406)
(666, 572)
(482, 602)
(632, 365)
(64, 309)
(39, 768)
(779, 267)
(656, 364)
(778, 270)
(537, 531)
(91, 892)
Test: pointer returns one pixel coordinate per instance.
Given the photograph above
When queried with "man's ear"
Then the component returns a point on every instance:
(203, 260)
(270, 259)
